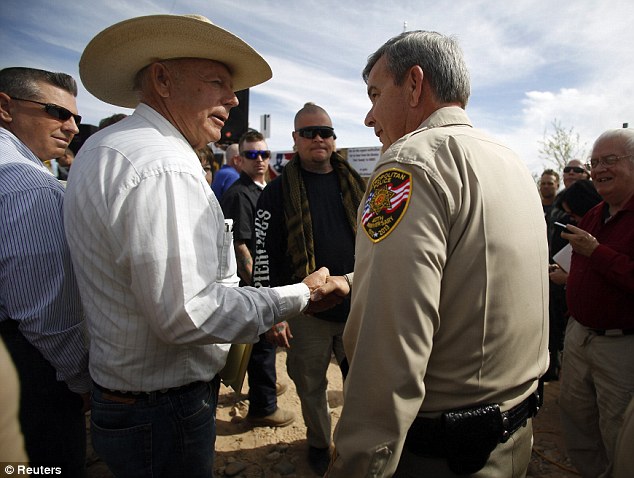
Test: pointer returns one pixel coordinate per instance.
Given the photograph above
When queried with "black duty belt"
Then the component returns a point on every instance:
(466, 437)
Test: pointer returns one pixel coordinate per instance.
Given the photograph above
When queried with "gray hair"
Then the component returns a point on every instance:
(25, 83)
(439, 56)
(625, 136)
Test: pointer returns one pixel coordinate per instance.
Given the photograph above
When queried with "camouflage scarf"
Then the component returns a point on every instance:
(297, 211)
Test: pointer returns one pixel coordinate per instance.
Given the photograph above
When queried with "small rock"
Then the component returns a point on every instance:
(232, 469)
(273, 456)
(284, 468)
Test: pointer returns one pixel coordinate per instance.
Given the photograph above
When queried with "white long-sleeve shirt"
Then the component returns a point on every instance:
(150, 249)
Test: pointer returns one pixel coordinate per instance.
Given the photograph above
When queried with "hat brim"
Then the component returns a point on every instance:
(112, 59)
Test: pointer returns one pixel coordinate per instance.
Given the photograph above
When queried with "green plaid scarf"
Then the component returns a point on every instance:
(297, 211)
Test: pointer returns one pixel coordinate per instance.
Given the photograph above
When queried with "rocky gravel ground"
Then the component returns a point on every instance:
(243, 451)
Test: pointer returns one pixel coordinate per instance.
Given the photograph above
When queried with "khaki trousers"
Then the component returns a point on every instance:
(312, 346)
(597, 384)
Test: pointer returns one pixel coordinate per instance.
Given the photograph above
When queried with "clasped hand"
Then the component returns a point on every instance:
(326, 291)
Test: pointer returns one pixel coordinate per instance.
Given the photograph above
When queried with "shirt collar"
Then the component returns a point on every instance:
(163, 126)
(447, 116)
(26, 155)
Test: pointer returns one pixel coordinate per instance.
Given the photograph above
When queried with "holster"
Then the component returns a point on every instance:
(466, 437)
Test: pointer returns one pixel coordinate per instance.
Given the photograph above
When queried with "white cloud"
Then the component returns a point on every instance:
(531, 61)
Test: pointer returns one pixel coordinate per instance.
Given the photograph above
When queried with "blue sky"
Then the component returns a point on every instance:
(531, 62)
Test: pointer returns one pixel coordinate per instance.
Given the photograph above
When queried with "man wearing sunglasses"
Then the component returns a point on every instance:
(306, 218)
(574, 171)
(238, 203)
(41, 318)
(558, 309)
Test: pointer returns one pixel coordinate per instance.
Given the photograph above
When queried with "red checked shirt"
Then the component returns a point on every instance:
(600, 289)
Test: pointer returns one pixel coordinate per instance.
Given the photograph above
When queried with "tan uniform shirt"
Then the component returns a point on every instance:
(450, 295)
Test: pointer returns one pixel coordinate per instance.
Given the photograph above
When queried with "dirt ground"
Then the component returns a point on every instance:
(246, 452)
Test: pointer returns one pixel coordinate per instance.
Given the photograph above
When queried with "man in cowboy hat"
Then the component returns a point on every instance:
(151, 247)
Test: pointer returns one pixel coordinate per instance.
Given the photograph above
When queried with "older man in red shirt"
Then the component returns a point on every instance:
(598, 366)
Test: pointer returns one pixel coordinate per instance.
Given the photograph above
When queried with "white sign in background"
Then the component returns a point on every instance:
(362, 160)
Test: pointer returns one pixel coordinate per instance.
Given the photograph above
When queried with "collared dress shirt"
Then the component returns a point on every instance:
(450, 297)
(38, 288)
(150, 248)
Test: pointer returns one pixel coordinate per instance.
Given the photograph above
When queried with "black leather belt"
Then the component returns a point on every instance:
(511, 420)
(517, 416)
(132, 397)
(612, 332)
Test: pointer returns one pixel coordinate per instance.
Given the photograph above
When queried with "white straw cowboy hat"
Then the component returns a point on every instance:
(112, 59)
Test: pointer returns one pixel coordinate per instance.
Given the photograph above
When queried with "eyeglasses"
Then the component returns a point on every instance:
(255, 153)
(574, 169)
(54, 110)
(607, 161)
(311, 131)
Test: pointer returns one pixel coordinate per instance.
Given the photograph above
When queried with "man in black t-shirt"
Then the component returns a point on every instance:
(306, 219)
(238, 203)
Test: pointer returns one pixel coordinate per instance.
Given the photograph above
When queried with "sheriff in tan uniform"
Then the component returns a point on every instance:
(449, 302)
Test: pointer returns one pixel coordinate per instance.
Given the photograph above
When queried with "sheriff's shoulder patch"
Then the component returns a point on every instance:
(387, 202)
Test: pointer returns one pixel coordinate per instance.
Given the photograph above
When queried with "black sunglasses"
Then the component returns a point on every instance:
(575, 169)
(254, 153)
(311, 131)
(54, 110)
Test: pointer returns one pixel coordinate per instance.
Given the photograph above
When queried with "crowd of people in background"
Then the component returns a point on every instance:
(591, 302)
(116, 256)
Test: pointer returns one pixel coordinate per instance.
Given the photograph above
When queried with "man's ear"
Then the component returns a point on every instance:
(414, 81)
(5, 108)
(161, 79)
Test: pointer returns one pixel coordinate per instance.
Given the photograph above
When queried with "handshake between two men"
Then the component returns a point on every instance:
(326, 291)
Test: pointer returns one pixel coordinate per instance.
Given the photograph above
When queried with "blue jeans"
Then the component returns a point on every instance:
(158, 434)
